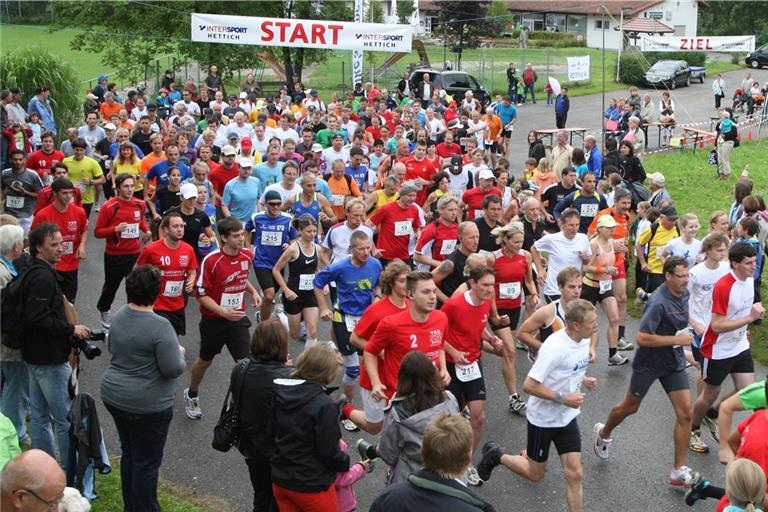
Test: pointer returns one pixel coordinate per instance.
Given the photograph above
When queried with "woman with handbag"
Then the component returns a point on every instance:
(666, 117)
(269, 354)
(726, 138)
(305, 423)
(139, 386)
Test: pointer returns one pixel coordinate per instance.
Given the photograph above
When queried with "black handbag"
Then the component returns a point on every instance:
(712, 160)
(226, 433)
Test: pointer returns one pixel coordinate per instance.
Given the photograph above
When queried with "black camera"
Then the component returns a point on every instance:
(85, 345)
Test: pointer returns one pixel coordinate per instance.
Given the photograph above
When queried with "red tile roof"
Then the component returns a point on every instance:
(581, 7)
(646, 26)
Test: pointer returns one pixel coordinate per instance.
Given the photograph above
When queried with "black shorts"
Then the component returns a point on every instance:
(593, 295)
(653, 282)
(714, 371)
(641, 382)
(264, 277)
(177, 318)
(514, 319)
(696, 353)
(304, 300)
(466, 392)
(506, 133)
(567, 439)
(215, 334)
(493, 148)
(342, 335)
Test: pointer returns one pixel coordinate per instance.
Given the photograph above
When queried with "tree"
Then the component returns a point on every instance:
(405, 10)
(375, 12)
(720, 18)
(132, 34)
(499, 18)
(30, 68)
(463, 23)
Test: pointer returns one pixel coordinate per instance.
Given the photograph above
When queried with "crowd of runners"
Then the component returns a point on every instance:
(398, 222)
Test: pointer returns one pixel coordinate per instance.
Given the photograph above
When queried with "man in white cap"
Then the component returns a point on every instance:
(222, 173)
(242, 193)
(659, 195)
(472, 199)
(196, 222)
(245, 104)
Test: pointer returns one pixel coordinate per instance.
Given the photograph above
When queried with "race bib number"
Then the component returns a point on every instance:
(231, 300)
(69, 247)
(588, 210)
(130, 231)
(337, 200)
(574, 384)
(509, 290)
(740, 334)
(448, 247)
(14, 202)
(351, 322)
(483, 253)
(173, 288)
(403, 228)
(306, 282)
(606, 285)
(79, 186)
(479, 213)
(468, 372)
(271, 238)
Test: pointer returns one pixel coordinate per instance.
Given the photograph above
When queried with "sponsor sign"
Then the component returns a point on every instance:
(744, 44)
(578, 68)
(326, 35)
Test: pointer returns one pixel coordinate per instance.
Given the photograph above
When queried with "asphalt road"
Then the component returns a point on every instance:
(635, 478)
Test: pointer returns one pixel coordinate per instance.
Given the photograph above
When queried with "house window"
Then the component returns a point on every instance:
(534, 21)
(577, 23)
(556, 22)
(599, 25)
(679, 30)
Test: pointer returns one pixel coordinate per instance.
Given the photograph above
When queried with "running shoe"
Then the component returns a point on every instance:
(696, 444)
(491, 458)
(624, 345)
(365, 449)
(349, 426)
(600, 445)
(192, 406)
(532, 355)
(472, 477)
(106, 319)
(465, 413)
(714, 429)
(641, 296)
(516, 404)
(617, 360)
(693, 494)
(519, 345)
(681, 477)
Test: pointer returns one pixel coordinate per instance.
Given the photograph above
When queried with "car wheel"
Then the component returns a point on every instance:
(701, 79)
(673, 83)
(754, 64)
(688, 81)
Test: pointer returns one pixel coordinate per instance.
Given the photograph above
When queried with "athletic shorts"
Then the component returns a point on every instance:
(493, 148)
(469, 391)
(264, 277)
(593, 295)
(622, 272)
(506, 133)
(215, 334)
(374, 409)
(696, 353)
(714, 371)
(641, 382)
(341, 333)
(514, 319)
(177, 319)
(304, 300)
(567, 439)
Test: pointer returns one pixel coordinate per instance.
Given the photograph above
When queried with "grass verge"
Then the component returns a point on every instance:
(694, 189)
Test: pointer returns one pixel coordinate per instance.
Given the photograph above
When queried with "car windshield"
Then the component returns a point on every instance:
(663, 66)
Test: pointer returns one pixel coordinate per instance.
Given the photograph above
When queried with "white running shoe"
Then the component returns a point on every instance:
(192, 406)
(349, 426)
(472, 477)
(617, 360)
(681, 477)
(106, 319)
(600, 445)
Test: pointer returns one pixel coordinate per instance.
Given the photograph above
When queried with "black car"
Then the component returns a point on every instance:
(758, 58)
(669, 73)
(455, 83)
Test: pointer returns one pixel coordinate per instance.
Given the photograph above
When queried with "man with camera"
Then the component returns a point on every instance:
(47, 342)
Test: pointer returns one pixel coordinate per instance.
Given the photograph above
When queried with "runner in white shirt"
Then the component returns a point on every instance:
(567, 248)
(725, 346)
(336, 151)
(686, 246)
(287, 188)
(284, 130)
(475, 127)
(555, 388)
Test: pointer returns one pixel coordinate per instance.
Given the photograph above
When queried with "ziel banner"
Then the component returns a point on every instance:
(578, 68)
(744, 44)
(326, 35)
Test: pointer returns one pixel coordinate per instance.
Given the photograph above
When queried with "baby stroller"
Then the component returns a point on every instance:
(739, 100)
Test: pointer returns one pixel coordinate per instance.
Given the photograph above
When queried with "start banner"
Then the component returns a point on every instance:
(326, 35)
(744, 44)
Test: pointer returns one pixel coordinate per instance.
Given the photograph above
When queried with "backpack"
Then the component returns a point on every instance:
(12, 312)
(654, 228)
(347, 177)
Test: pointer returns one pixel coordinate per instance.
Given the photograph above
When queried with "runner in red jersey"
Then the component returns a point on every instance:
(472, 199)
(393, 286)
(43, 160)
(73, 225)
(467, 332)
(512, 265)
(45, 197)
(221, 287)
(177, 263)
(439, 238)
(397, 222)
(224, 172)
(419, 168)
(421, 328)
(121, 222)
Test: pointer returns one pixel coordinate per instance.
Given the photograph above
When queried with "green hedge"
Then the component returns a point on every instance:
(557, 43)
(545, 34)
(693, 58)
(634, 63)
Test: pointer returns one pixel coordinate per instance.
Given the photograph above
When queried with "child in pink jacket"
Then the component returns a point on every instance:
(344, 482)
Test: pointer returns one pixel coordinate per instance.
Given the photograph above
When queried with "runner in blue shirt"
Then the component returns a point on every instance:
(508, 114)
(271, 232)
(356, 169)
(242, 193)
(356, 279)
(271, 171)
(159, 171)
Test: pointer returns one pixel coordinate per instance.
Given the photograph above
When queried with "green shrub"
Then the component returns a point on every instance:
(632, 68)
(545, 34)
(737, 58)
(555, 43)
